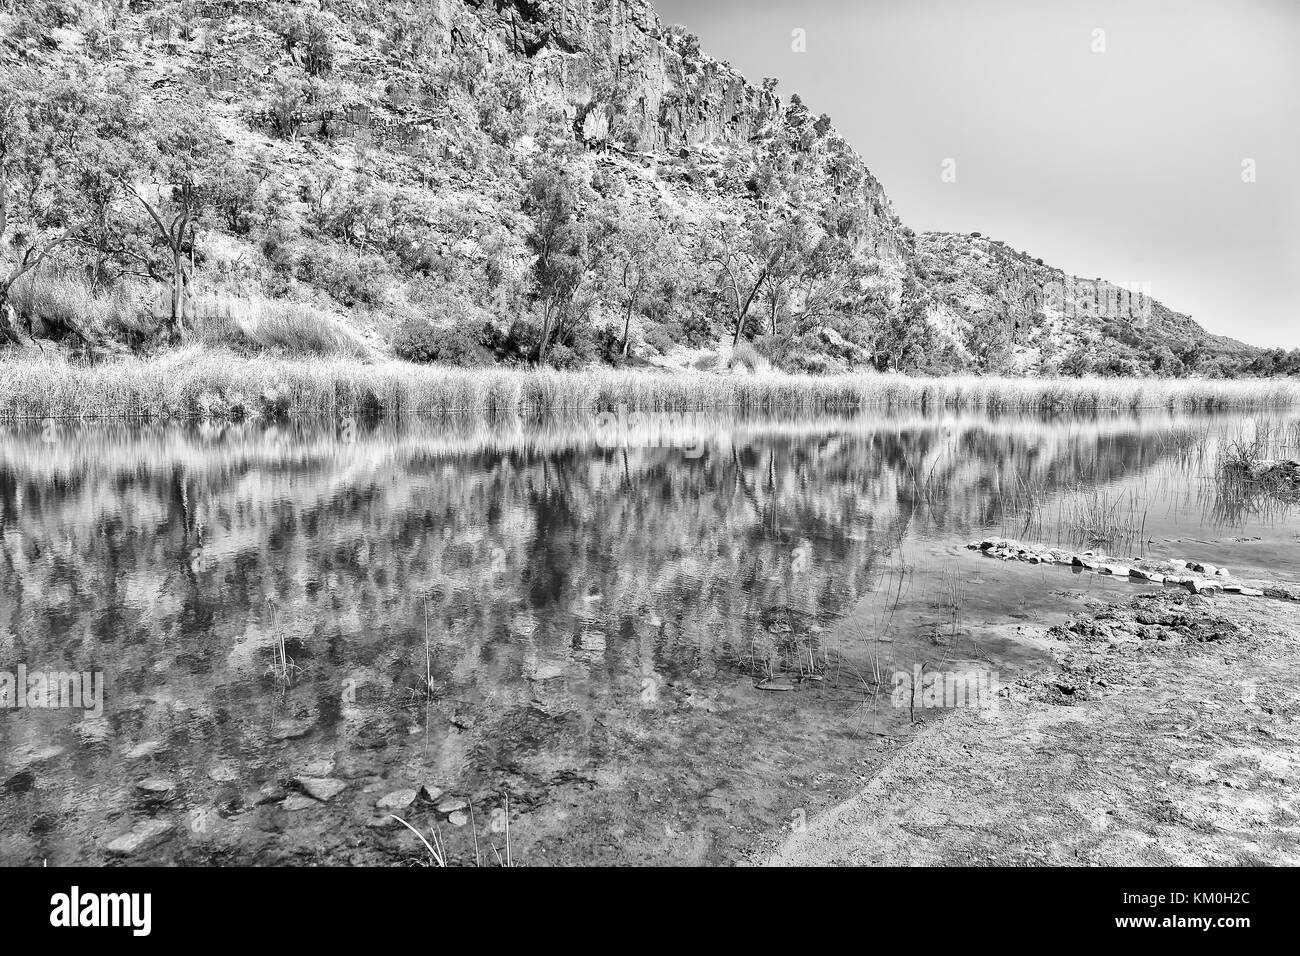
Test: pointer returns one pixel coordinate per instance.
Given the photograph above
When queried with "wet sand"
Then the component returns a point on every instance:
(1166, 732)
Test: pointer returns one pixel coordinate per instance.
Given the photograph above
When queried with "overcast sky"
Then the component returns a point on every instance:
(1125, 164)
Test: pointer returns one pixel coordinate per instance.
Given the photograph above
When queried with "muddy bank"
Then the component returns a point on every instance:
(1166, 732)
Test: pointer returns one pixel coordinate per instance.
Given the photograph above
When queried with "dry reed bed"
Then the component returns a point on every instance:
(195, 383)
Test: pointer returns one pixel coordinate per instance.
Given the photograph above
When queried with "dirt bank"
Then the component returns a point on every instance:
(1167, 732)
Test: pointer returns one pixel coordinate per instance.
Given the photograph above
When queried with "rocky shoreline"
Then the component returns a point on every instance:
(1199, 577)
(1164, 733)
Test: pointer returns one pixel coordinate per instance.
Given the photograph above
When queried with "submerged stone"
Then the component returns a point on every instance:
(322, 788)
(143, 836)
(397, 800)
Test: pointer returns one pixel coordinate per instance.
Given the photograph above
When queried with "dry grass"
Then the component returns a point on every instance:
(1255, 472)
(64, 302)
(196, 382)
(285, 329)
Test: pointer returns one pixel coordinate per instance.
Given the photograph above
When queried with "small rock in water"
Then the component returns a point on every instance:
(156, 786)
(397, 800)
(321, 767)
(292, 729)
(1223, 573)
(143, 835)
(270, 793)
(429, 794)
(144, 749)
(452, 805)
(322, 788)
(1119, 570)
(296, 801)
(223, 772)
(1204, 568)
(458, 818)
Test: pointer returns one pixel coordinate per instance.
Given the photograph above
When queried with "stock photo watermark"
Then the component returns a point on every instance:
(23, 689)
(974, 689)
(628, 429)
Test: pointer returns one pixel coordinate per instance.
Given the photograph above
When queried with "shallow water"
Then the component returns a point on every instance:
(571, 615)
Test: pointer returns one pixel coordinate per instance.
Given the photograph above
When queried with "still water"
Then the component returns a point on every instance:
(655, 641)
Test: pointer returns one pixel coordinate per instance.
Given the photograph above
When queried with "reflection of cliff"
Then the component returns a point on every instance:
(175, 533)
(558, 584)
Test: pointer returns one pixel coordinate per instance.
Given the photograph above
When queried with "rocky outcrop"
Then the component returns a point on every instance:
(1199, 577)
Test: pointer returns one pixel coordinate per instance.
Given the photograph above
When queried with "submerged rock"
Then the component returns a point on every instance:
(156, 786)
(143, 836)
(144, 749)
(397, 800)
(323, 789)
(293, 729)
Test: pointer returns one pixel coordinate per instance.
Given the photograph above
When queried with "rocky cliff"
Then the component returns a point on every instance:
(393, 144)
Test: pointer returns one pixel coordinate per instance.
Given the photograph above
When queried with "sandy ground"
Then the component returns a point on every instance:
(1166, 733)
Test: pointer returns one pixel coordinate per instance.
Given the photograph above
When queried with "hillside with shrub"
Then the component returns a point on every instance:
(480, 183)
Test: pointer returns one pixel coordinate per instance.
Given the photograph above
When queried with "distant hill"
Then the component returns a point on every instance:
(495, 180)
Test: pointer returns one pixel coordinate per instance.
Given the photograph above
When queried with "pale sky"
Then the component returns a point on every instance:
(1124, 164)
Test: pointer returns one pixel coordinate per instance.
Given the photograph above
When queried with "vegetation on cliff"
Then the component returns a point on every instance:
(531, 183)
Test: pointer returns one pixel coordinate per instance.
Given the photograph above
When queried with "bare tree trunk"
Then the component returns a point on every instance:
(178, 293)
(627, 329)
(8, 318)
(546, 333)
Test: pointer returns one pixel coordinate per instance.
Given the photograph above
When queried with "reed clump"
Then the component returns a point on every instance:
(199, 382)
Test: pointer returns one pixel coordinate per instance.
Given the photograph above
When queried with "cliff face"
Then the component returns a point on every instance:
(614, 62)
(432, 117)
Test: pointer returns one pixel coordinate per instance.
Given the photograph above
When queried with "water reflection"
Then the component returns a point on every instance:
(574, 613)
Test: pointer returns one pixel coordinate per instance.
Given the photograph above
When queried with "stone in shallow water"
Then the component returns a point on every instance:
(397, 800)
(296, 801)
(156, 786)
(143, 836)
(223, 772)
(320, 767)
(452, 805)
(458, 819)
(1119, 570)
(1242, 590)
(293, 729)
(144, 749)
(322, 788)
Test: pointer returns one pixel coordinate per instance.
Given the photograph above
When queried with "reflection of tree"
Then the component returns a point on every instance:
(559, 581)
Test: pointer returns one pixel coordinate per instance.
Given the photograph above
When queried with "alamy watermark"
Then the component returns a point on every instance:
(52, 690)
(976, 689)
(624, 428)
(1081, 298)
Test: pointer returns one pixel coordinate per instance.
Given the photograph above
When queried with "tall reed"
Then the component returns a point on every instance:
(198, 383)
